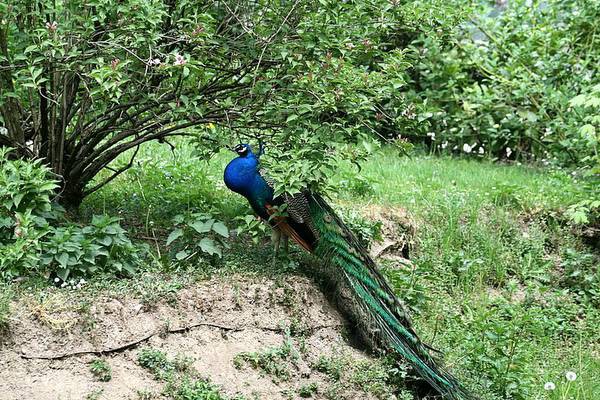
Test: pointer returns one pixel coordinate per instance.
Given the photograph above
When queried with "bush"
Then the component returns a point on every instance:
(72, 251)
(504, 88)
(35, 237)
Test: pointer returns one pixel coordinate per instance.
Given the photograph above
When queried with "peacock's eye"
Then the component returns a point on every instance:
(240, 148)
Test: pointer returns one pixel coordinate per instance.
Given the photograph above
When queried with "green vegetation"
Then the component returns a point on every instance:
(503, 115)
(101, 370)
(5, 298)
(271, 362)
(37, 239)
(182, 381)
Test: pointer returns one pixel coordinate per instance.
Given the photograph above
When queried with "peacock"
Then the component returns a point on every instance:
(361, 291)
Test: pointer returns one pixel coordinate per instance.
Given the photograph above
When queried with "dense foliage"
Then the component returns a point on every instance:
(36, 239)
(80, 88)
(520, 84)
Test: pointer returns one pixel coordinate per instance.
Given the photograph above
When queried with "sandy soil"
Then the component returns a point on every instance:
(225, 317)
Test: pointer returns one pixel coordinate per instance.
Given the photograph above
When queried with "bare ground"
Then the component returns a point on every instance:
(52, 340)
(54, 335)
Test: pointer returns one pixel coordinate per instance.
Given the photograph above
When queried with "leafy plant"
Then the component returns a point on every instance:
(252, 226)
(72, 251)
(581, 274)
(197, 234)
(156, 362)
(6, 295)
(101, 370)
(272, 362)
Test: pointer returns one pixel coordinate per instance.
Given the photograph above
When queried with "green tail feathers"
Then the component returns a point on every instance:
(370, 301)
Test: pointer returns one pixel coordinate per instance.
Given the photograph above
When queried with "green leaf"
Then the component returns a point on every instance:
(63, 259)
(209, 246)
(177, 233)
(202, 227)
(17, 199)
(291, 117)
(221, 229)
(181, 255)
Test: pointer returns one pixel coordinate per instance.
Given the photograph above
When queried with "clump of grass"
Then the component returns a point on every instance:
(272, 362)
(101, 370)
(156, 362)
(332, 366)
(193, 390)
(308, 390)
(6, 295)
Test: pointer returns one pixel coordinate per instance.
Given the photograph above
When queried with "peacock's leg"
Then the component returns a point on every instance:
(276, 239)
(286, 244)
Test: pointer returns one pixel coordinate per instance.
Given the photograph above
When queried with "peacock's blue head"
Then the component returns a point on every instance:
(243, 149)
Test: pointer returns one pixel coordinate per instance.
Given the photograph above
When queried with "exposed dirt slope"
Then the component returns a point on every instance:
(226, 316)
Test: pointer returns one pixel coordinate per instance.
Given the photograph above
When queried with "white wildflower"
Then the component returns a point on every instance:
(179, 60)
(466, 148)
(508, 151)
(56, 280)
(549, 386)
(481, 150)
(571, 376)
(445, 144)
(431, 135)
(52, 27)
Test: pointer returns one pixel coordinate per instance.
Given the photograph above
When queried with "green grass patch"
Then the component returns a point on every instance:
(101, 370)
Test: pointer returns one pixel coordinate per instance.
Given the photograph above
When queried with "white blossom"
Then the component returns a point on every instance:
(508, 151)
(179, 60)
(481, 150)
(466, 148)
(571, 376)
(445, 144)
(431, 135)
(549, 386)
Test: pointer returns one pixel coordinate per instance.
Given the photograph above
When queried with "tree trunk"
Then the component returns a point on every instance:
(11, 109)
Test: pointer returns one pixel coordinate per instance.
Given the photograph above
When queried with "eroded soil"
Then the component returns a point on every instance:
(47, 351)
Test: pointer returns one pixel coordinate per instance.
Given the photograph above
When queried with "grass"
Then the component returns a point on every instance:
(182, 380)
(503, 285)
(272, 362)
(6, 295)
(101, 370)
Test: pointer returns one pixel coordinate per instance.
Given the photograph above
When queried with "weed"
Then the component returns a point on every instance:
(94, 395)
(6, 295)
(193, 390)
(156, 362)
(308, 390)
(101, 370)
(272, 362)
(146, 395)
(331, 366)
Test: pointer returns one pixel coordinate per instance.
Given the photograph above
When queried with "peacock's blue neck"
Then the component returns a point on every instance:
(242, 176)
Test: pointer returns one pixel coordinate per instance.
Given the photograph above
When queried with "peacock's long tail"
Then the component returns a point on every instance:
(363, 292)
